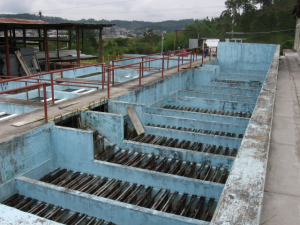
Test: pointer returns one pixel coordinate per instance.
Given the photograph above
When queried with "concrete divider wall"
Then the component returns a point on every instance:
(10, 108)
(107, 209)
(206, 74)
(245, 56)
(154, 92)
(72, 147)
(180, 154)
(107, 124)
(192, 123)
(242, 197)
(157, 63)
(209, 103)
(11, 85)
(121, 108)
(21, 153)
(199, 116)
(82, 71)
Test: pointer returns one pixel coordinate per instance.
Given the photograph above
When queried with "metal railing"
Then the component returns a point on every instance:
(141, 66)
(32, 86)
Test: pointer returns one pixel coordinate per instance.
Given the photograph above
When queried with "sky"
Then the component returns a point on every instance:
(143, 10)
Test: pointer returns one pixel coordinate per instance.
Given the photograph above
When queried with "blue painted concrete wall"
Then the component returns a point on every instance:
(195, 124)
(180, 154)
(12, 85)
(14, 108)
(209, 103)
(107, 124)
(82, 71)
(245, 56)
(109, 210)
(21, 153)
(71, 146)
(230, 90)
(198, 116)
(157, 91)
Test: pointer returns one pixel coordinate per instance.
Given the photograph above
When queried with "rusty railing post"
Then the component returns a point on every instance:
(140, 78)
(163, 66)
(52, 88)
(108, 83)
(45, 103)
(113, 73)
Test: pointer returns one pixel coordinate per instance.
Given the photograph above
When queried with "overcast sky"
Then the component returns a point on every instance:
(146, 10)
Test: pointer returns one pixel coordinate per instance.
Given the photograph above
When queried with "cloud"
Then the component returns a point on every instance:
(146, 10)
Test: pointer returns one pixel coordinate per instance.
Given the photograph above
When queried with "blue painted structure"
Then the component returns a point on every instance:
(73, 148)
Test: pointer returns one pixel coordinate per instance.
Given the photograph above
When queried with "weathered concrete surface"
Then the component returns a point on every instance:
(14, 216)
(242, 197)
(53, 111)
(282, 190)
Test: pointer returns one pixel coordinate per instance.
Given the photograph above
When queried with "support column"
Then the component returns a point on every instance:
(70, 42)
(14, 44)
(7, 52)
(41, 44)
(24, 37)
(78, 45)
(57, 44)
(47, 60)
(100, 44)
(82, 41)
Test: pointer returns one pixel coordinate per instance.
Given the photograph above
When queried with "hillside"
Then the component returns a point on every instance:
(168, 26)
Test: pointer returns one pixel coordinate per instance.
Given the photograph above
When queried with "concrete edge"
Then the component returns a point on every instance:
(242, 197)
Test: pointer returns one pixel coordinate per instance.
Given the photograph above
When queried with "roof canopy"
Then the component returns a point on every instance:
(9, 23)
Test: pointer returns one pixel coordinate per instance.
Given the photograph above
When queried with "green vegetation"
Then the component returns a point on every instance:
(272, 23)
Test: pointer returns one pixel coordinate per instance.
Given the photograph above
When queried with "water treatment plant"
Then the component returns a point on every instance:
(172, 139)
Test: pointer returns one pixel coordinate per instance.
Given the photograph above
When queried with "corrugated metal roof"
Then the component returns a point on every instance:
(13, 20)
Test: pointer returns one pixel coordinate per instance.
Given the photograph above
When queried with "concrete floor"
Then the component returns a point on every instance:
(282, 188)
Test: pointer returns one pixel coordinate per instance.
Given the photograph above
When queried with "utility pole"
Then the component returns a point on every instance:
(40, 14)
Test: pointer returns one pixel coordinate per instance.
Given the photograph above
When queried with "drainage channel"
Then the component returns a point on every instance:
(192, 206)
(197, 131)
(164, 165)
(210, 111)
(51, 212)
(176, 143)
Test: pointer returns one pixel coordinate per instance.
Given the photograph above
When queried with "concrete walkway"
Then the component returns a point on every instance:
(282, 189)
